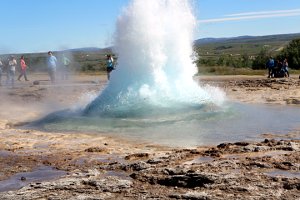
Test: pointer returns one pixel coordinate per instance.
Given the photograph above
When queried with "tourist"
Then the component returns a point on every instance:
(12, 64)
(1, 71)
(23, 69)
(109, 65)
(52, 63)
(6, 69)
(278, 73)
(65, 69)
(270, 66)
(285, 65)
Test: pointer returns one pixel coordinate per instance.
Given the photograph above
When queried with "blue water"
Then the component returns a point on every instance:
(181, 126)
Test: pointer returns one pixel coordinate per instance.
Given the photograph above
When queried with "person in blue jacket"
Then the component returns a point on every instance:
(52, 64)
(109, 65)
(270, 66)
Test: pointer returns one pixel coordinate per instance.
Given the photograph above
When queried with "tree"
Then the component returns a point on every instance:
(260, 60)
(292, 53)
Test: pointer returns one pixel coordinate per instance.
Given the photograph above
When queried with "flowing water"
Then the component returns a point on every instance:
(152, 96)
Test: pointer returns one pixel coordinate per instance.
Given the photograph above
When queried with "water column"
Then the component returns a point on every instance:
(153, 42)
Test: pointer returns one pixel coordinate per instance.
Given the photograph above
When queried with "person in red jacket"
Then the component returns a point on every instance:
(23, 69)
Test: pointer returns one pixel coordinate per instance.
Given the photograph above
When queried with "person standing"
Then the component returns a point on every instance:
(285, 66)
(66, 64)
(1, 71)
(23, 69)
(109, 65)
(12, 64)
(270, 66)
(52, 63)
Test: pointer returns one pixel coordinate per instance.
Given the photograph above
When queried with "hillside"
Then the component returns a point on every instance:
(209, 49)
(249, 45)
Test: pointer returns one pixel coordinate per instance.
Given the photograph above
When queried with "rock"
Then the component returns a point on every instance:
(241, 144)
(155, 161)
(36, 82)
(192, 196)
(136, 156)
(224, 145)
(189, 180)
(95, 149)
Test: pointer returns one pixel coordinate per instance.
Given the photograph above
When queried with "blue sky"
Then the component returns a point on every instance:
(40, 25)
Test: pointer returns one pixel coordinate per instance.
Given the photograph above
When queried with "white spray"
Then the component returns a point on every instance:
(153, 42)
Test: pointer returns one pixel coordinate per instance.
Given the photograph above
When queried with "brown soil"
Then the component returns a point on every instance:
(101, 167)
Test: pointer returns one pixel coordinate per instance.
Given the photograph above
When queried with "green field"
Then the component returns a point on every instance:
(215, 55)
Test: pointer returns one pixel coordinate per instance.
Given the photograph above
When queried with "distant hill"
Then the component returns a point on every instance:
(86, 49)
(248, 39)
(250, 45)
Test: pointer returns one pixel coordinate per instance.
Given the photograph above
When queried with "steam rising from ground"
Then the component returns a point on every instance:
(153, 42)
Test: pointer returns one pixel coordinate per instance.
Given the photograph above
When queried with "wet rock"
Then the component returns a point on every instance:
(292, 101)
(189, 180)
(283, 165)
(95, 149)
(136, 156)
(224, 145)
(255, 148)
(291, 185)
(260, 165)
(155, 160)
(241, 144)
(113, 184)
(271, 142)
(294, 146)
(136, 166)
(175, 171)
(36, 82)
(192, 196)
(213, 152)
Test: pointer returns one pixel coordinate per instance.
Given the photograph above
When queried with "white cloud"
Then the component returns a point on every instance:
(265, 12)
(254, 15)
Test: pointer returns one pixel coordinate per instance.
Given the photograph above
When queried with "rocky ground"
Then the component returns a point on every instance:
(40, 165)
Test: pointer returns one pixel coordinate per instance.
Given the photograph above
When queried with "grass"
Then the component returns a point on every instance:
(225, 70)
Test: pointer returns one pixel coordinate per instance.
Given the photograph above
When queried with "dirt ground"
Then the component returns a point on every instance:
(41, 165)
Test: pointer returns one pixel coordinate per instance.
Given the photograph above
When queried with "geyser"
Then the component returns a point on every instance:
(153, 41)
(152, 96)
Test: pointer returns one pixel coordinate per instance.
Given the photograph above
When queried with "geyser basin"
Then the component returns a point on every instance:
(183, 126)
(151, 96)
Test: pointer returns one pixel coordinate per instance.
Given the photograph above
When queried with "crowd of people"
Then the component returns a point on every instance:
(10, 65)
(277, 68)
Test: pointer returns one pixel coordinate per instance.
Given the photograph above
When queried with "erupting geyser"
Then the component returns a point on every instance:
(153, 41)
(152, 96)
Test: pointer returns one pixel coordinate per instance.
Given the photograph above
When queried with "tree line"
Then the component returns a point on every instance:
(291, 52)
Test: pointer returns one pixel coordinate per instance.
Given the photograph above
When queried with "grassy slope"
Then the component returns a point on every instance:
(214, 48)
(93, 59)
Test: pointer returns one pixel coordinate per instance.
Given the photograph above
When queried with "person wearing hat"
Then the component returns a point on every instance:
(12, 64)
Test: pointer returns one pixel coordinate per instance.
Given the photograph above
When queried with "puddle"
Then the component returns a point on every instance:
(200, 124)
(199, 160)
(283, 173)
(43, 173)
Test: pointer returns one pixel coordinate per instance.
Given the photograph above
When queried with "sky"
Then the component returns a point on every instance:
(39, 26)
